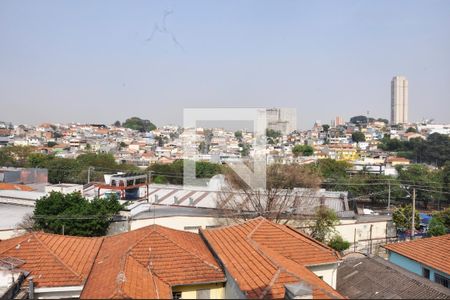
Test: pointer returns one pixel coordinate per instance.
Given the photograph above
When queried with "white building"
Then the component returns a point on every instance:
(399, 100)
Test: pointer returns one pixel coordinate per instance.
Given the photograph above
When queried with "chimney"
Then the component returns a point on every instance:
(299, 290)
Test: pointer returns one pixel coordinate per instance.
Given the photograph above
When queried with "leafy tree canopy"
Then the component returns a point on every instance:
(303, 150)
(273, 134)
(139, 124)
(435, 150)
(173, 173)
(324, 224)
(436, 227)
(74, 214)
(358, 136)
(402, 218)
(338, 243)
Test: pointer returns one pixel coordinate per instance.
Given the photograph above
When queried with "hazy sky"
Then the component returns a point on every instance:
(101, 61)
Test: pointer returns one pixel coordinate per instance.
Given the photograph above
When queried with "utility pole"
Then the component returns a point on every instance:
(413, 221)
(149, 179)
(89, 174)
(389, 195)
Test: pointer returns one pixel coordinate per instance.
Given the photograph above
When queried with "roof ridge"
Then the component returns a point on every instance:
(271, 283)
(190, 252)
(262, 249)
(56, 256)
(93, 263)
(122, 263)
(290, 230)
(249, 235)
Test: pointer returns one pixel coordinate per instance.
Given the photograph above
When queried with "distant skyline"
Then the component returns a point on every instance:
(102, 61)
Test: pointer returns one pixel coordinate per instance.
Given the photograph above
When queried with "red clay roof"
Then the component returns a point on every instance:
(53, 260)
(263, 256)
(168, 257)
(433, 252)
(13, 186)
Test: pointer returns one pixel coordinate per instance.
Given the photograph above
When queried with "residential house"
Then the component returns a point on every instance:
(254, 259)
(262, 259)
(428, 257)
(154, 262)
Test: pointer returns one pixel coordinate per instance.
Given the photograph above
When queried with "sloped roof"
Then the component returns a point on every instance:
(376, 278)
(263, 256)
(168, 257)
(53, 260)
(432, 251)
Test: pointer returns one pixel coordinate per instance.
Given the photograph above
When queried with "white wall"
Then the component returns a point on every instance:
(328, 273)
(179, 223)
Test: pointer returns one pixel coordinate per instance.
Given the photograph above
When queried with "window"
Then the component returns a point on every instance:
(203, 294)
(426, 273)
(441, 280)
(176, 295)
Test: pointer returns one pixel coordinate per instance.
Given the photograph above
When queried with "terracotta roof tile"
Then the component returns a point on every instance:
(432, 252)
(260, 257)
(13, 186)
(169, 257)
(53, 260)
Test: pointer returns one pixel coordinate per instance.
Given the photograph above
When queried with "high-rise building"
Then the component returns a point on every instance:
(282, 119)
(339, 121)
(399, 100)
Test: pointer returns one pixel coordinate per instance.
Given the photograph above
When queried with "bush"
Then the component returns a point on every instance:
(160, 179)
(338, 243)
(436, 227)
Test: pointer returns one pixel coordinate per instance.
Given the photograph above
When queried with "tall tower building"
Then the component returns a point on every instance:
(282, 119)
(399, 100)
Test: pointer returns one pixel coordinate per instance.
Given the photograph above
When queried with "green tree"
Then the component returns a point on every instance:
(304, 150)
(139, 124)
(444, 217)
(38, 160)
(174, 172)
(324, 224)
(74, 214)
(402, 218)
(160, 179)
(330, 168)
(273, 134)
(238, 134)
(244, 149)
(421, 175)
(358, 136)
(411, 129)
(15, 156)
(436, 227)
(338, 243)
